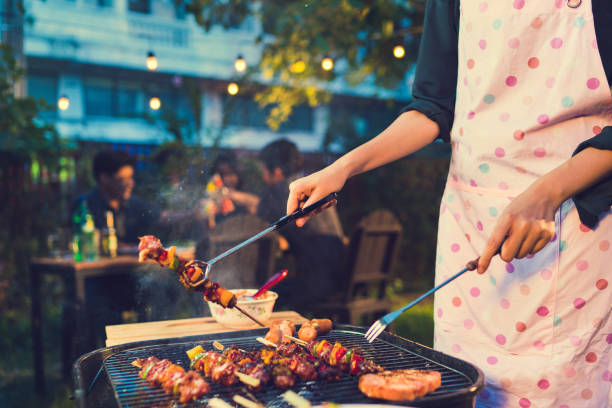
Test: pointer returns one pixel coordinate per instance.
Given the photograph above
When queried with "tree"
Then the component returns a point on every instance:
(21, 131)
(359, 35)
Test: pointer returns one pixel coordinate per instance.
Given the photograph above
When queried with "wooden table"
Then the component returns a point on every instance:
(127, 333)
(74, 333)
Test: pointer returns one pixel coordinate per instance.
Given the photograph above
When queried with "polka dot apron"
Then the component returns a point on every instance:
(530, 83)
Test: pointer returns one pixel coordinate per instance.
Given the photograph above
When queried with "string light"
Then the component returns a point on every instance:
(154, 103)
(63, 103)
(327, 64)
(298, 67)
(240, 64)
(399, 51)
(232, 88)
(151, 61)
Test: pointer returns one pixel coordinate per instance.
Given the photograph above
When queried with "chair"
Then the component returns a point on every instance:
(250, 266)
(369, 260)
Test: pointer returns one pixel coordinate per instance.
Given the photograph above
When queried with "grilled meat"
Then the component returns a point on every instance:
(400, 385)
(309, 331)
(278, 330)
(172, 378)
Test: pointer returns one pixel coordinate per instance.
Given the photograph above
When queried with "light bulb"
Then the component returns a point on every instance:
(240, 64)
(399, 51)
(154, 103)
(63, 103)
(232, 88)
(151, 61)
(327, 64)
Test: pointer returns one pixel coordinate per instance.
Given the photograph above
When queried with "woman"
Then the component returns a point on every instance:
(224, 198)
(523, 86)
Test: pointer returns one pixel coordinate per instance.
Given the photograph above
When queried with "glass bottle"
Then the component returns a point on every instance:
(109, 237)
(78, 218)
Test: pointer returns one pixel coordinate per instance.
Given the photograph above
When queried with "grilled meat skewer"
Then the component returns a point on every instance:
(189, 272)
(172, 378)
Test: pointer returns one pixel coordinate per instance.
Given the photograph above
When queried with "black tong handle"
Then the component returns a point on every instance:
(305, 211)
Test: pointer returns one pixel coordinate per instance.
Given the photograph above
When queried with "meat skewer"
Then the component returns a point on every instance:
(173, 379)
(339, 356)
(278, 331)
(190, 273)
(228, 367)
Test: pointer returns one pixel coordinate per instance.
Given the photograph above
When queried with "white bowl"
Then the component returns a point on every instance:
(260, 308)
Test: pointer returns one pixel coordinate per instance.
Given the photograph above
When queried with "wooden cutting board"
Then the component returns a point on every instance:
(127, 333)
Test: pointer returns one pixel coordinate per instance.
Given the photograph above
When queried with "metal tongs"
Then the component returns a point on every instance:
(206, 266)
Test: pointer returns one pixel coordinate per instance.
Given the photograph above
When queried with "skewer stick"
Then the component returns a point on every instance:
(245, 402)
(249, 316)
(296, 340)
(247, 379)
(218, 403)
(296, 400)
(251, 396)
(267, 342)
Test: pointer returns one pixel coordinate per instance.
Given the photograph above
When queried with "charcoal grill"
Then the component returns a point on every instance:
(117, 383)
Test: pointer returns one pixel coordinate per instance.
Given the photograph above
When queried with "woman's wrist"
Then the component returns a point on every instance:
(575, 175)
(343, 166)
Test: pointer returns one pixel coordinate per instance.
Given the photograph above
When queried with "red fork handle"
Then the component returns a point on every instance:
(277, 277)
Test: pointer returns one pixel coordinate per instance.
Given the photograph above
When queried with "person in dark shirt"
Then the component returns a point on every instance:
(109, 296)
(133, 217)
(317, 249)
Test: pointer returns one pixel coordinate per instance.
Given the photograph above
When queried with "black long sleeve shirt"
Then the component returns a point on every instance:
(435, 86)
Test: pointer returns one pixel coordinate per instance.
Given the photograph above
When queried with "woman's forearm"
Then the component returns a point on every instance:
(410, 132)
(578, 173)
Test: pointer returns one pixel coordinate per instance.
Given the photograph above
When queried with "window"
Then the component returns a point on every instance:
(98, 97)
(174, 103)
(300, 119)
(129, 103)
(44, 87)
(140, 6)
(244, 111)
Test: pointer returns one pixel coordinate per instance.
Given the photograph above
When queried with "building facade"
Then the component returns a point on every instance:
(92, 54)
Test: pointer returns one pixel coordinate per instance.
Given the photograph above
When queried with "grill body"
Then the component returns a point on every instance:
(117, 383)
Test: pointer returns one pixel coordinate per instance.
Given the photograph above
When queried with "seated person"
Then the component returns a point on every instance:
(151, 292)
(224, 191)
(133, 217)
(317, 250)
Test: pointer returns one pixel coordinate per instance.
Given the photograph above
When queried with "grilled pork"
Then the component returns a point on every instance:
(400, 385)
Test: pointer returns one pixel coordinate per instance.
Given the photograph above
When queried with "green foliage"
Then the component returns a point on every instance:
(26, 144)
(416, 323)
(21, 132)
(358, 34)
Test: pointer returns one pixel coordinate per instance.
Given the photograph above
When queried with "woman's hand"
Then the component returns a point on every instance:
(525, 226)
(307, 190)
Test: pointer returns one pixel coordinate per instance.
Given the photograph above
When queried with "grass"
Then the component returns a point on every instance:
(17, 387)
(416, 323)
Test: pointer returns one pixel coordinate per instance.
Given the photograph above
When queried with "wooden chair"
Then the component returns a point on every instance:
(369, 259)
(250, 266)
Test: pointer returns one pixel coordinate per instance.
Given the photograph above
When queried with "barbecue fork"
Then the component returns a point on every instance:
(381, 324)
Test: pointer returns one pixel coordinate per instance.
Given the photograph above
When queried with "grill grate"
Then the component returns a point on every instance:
(131, 391)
